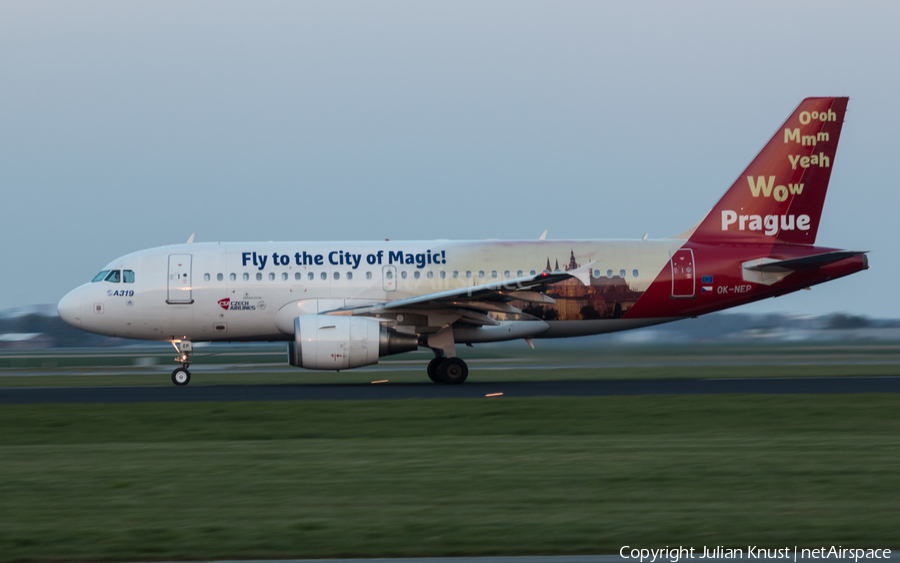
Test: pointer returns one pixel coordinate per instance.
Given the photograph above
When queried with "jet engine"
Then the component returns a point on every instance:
(334, 342)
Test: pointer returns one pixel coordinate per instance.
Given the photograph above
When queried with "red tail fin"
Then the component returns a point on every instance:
(779, 197)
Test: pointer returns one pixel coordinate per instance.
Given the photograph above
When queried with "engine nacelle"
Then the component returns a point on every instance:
(335, 342)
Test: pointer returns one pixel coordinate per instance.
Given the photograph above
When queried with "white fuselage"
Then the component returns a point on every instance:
(253, 291)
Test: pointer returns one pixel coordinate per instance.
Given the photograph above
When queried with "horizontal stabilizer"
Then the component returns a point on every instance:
(804, 263)
(767, 271)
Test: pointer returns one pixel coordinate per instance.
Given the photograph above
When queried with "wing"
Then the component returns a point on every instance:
(472, 303)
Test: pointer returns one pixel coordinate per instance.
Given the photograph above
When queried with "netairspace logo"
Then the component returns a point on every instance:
(675, 554)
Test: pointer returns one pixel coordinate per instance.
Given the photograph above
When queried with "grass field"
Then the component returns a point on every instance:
(442, 477)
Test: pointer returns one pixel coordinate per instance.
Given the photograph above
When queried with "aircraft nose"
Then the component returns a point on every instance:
(69, 309)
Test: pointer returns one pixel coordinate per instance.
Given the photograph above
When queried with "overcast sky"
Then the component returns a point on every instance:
(130, 125)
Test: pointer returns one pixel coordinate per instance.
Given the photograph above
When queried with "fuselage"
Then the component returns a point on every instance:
(253, 291)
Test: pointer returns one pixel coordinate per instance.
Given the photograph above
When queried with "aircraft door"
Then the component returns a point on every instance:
(683, 273)
(179, 283)
(389, 278)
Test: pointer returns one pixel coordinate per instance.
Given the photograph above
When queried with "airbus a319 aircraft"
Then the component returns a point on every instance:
(342, 305)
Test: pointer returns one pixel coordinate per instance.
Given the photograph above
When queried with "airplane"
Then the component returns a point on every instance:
(343, 305)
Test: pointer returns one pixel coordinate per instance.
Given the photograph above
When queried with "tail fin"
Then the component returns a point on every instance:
(779, 197)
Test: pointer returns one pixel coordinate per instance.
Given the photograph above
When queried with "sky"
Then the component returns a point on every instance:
(126, 126)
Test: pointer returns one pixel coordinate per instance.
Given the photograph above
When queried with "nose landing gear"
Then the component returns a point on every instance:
(181, 376)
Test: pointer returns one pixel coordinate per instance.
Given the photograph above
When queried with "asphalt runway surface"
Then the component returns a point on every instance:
(470, 390)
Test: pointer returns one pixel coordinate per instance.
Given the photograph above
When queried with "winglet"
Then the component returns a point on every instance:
(191, 239)
(583, 273)
(543, 235)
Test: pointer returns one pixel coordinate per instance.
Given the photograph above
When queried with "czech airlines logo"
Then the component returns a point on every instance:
(230, 305)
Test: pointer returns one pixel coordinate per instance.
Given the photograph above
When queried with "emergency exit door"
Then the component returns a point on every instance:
(179, 287)
(683, 273)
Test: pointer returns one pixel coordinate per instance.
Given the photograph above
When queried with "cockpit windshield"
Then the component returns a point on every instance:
(115, 276)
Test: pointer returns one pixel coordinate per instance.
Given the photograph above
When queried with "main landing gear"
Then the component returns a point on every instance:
(445, 367)
(181, 376)
(448, 370)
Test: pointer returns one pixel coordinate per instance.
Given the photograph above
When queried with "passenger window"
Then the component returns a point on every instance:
(403, 274)
(311, 276)
(468, 274)
(443, 274)
(622, 273)
(100, 277)
(297, 276)
(455, 274)
(480, 273)
(284, 276)
(258, 276)
(219, 277)
(368, 275)
(324, 275)
(128, 276)
(609, 273)
(506, 274)
(519, 273)
(337, 275)
(246, 276)
(596, 273)
(416, 274)
(430, 274)
(113, 276)
(349, 275)
(532, 272)
(232, 276)
(205, 277)
(389, 274)
(634, 273)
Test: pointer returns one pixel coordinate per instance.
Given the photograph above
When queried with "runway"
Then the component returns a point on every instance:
(469, 390)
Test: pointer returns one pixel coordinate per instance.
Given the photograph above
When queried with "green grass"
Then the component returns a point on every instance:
(445, 477)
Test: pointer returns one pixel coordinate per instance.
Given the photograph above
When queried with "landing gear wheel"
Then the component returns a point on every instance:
(453, 371)
(181, 376)
(433, 369)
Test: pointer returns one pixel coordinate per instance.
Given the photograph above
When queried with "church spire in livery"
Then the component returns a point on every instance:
(572, 263)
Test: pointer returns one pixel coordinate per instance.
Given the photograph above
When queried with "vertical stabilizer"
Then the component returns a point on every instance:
(779, 197)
